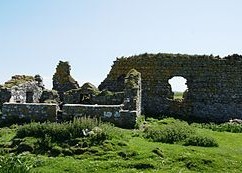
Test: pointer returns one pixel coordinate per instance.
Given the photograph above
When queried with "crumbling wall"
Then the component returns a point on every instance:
(27, 112)
(132, 91)
(214, 84)
(123, 115)
(62, 80)
(19, 94)
(108, 98)
(110, 113)
(49, 96)
(22, 89)
(80, 95)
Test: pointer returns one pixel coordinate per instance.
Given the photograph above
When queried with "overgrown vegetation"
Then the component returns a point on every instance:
(11, 163)
(88, 145)
(58, 131)
(203, 141)
(175, 131)
(63, 138)
(225, 127)
(178, 95)
(18, 79)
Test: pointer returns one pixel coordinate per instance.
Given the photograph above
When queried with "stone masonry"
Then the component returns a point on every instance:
(22, 89)
(135, 85)
(62, 80)
(26, 100)
(27, 112)
(123, 115)
(132, 91)
(214, 84)
(111, 113)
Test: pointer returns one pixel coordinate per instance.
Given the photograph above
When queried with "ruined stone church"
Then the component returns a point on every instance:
(135, 85)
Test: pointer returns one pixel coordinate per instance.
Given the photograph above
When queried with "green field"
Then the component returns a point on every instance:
(178, 95)
(157, 146)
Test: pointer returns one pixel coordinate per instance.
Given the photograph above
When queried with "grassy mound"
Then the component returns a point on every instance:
(87, 145)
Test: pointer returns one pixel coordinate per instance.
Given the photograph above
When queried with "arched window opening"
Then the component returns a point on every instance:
(178, 86)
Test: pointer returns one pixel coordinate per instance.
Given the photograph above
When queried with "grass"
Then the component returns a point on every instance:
(178, 95)
(128, 151)
(225, 127)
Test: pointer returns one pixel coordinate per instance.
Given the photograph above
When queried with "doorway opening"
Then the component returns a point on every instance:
(29, 97)
(178, 87)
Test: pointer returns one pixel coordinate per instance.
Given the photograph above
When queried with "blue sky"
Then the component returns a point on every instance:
(90, 34)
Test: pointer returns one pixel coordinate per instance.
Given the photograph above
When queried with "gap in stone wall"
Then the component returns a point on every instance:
(178, 86)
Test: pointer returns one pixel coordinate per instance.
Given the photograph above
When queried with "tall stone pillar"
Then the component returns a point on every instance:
(132, 91)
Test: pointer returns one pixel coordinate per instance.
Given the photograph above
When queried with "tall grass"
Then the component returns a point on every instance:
(176, 131)
(58, 131)
(93, 129)
(170, 133)
(202, 141)
(14, 164)
(225, 127)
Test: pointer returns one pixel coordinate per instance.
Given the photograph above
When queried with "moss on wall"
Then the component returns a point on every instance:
(17, 80)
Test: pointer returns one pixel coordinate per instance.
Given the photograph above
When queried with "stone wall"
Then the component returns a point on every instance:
(26, 92)
(132, 91)
(49, 96)
(5, 96)
(110, 98)
(22, 89)
(62, 79)
(111, 113)
(214, 84)
(123, 115)
(27, 112)
(80, 95)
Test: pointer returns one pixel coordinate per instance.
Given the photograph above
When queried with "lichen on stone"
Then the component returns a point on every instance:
(132, 78)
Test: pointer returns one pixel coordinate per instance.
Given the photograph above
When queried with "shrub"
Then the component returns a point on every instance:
(57, 131)
(23, 145)
(171, 133)
(139, 122)
(82, 132)
(202, 141)
(44, 144)
(225, 127)
(56, 151)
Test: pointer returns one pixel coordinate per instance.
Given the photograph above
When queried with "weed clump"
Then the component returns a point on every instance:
(202, 141)
(62, 138)
(58, 131)
(175, 132)
(13, 163)
(225, 127)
